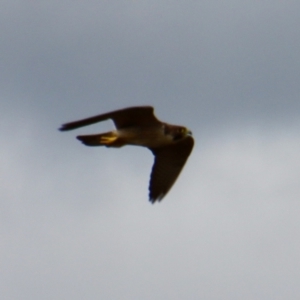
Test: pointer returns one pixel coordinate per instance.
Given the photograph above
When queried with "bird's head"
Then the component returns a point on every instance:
(181, 132)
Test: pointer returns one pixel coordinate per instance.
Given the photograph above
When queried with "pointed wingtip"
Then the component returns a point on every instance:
(65, 127)
(158, 198)
(152, 200)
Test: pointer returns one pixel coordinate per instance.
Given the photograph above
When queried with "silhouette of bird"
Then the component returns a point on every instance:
(171, 145)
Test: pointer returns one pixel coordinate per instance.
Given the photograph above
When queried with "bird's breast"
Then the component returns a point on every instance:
(150, 137)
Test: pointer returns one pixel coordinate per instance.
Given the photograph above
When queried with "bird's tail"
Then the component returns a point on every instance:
(102, 139)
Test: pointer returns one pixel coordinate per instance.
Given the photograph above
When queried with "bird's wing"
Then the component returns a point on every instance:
(167, 166)
(126, 117)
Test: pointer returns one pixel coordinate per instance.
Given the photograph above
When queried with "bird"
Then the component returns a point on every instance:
(171, 145)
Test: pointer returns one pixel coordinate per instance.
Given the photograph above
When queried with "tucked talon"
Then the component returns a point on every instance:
(107, 139)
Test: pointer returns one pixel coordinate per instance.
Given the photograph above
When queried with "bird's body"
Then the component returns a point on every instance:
(170, 144)
(145, 136)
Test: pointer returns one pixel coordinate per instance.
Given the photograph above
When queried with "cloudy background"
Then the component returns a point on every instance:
(75, 222)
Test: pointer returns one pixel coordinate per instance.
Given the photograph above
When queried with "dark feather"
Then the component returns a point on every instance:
(167, 166)
(122, 118)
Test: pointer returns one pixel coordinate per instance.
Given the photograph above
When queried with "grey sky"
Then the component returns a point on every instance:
(75, 222)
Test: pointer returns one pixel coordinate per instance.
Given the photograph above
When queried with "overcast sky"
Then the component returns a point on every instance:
(76, 223)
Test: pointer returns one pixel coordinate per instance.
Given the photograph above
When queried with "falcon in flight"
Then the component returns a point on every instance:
(171, 145)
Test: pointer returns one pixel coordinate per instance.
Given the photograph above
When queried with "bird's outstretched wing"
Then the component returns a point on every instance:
(122, 118)
(167, 166)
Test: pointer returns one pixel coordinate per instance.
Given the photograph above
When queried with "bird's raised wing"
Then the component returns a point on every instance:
(167, 166)
(122, 118)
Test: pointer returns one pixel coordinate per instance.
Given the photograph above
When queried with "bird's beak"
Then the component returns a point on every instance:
(188, 132)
